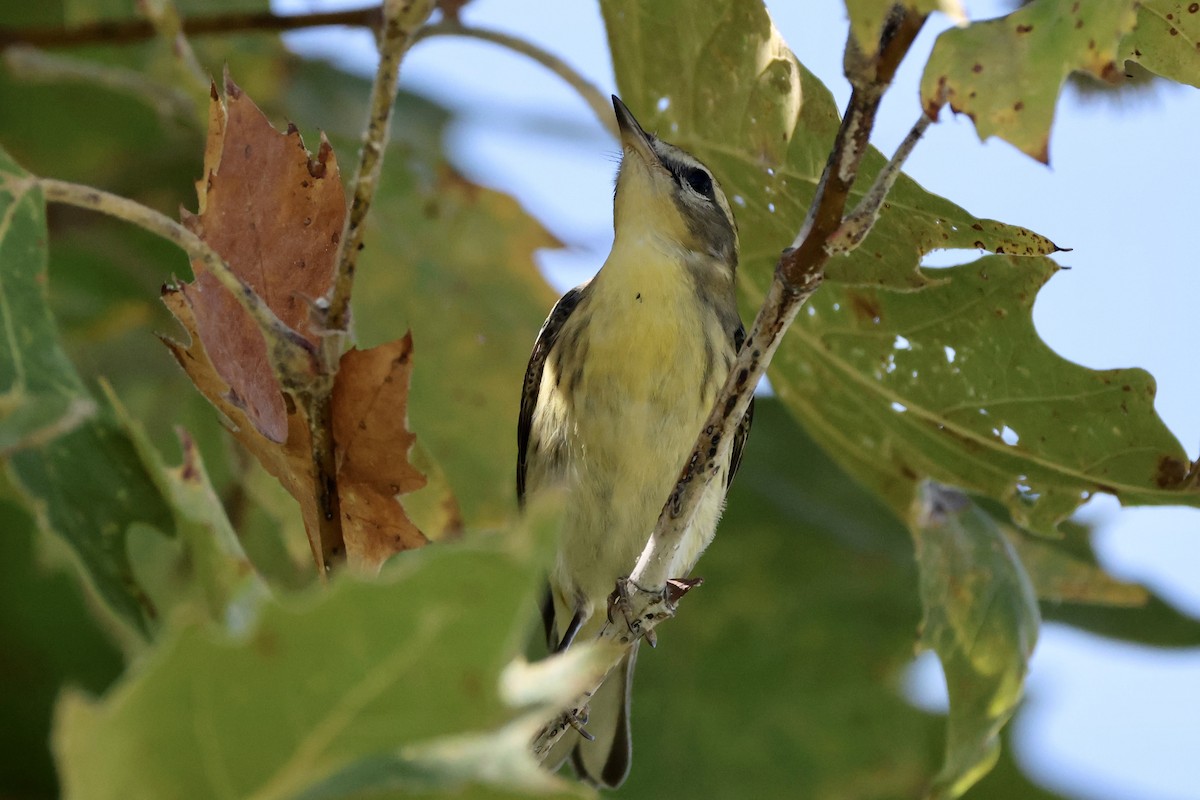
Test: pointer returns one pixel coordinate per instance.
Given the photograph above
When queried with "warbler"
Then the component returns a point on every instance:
(623, 374)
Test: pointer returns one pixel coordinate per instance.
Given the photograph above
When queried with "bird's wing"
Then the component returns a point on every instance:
(546, 338)
(743, 429)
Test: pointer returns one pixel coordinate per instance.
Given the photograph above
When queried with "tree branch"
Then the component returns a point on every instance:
(401, 19)
(128, 31)
(290, 353)
(168, 23)
(650, 593)
(858, 223)
(170, 103)
(598, 101)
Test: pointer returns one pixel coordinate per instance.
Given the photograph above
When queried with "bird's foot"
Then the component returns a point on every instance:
(656, 605)
(577, 718)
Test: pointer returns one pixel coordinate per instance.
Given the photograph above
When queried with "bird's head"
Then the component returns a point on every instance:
(665, 193)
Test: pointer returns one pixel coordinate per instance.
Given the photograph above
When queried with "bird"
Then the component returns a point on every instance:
(622, 376)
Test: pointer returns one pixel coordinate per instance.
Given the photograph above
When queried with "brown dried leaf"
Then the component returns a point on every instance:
(290, 462)
(370, 401)
(275, 215)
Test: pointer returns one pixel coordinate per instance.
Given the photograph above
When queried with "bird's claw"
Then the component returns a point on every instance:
(661, 605)
(577, 718)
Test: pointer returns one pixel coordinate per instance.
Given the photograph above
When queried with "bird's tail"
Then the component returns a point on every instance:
(604, 762)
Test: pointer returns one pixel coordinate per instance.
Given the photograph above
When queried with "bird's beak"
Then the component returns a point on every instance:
(632, 136)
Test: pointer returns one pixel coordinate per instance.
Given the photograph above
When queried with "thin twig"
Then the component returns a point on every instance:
(648, 594)
(168, 22)
(597, 100)
(128, 31)
(401, 19)
(290, 353)
(858, 224)
(168, 102)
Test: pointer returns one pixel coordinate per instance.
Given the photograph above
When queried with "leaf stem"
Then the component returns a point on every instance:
(31, 63)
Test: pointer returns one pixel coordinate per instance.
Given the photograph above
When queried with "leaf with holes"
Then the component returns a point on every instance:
(731, 92)
(1005, 74)
(900, 373)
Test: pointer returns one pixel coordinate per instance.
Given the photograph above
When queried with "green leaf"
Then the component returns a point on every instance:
(867, 17)
(209, 562)
(453, 261)
(778, 676)
(953, 382)
(981, 617)
(48, 638)
(1005, 73)
(358, 671)
(737, 98)
(898, 372)
(87, 485)
(1066, 570)
(1166, 40)
(40, 390)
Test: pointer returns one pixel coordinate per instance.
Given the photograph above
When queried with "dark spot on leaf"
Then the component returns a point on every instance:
(1017, 106)
(977, 68)
(1171, 472)
(865, 306)
(1024, 28)
(1127, 388)
(1173, 32)
(1193, 8)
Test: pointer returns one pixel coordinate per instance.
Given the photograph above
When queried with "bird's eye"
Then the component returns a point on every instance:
(700, 181)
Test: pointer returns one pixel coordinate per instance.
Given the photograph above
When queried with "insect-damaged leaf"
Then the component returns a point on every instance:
(1005, 73)
(899, 372)
(275, 215)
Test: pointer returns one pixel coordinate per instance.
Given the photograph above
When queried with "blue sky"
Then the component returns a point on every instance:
(1104, 721)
